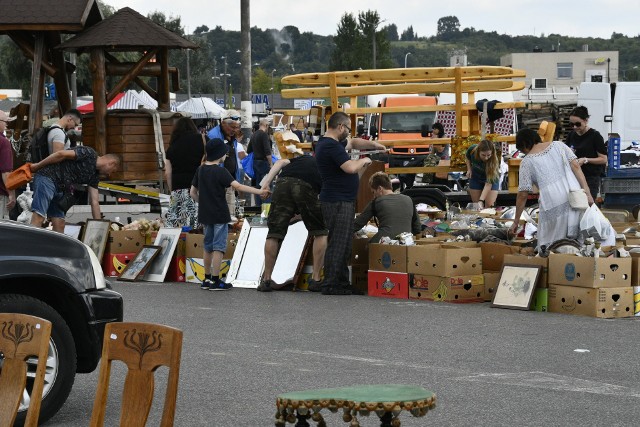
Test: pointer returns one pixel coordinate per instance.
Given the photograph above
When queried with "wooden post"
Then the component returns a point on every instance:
(163, 80)
(37, 85)
(129, 75)
(99, 86)
(458, 91)
(60, 78)
(333, 92)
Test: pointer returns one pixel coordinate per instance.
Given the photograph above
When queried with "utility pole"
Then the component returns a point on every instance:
(245, 80)
(272, 91)
(215, 78)
(224, 81)
(188, 76)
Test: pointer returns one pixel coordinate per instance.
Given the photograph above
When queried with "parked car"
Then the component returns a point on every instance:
(56, 277)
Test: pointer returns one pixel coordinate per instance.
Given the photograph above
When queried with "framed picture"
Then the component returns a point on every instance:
(516, 286)
(73, 230)
(96, 234)
(167, 239)
(133, 270)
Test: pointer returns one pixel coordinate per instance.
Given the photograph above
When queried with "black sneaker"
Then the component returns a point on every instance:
(206, 285)
(265, 286)
(314, 286)
(221, 286)
(337, 290)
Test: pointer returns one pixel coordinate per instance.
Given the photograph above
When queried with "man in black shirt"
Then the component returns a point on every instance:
(296, 192)
(56, 173)
(260, 144)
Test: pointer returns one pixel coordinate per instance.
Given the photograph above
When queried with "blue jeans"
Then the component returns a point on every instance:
(215, 237)
(46, 198)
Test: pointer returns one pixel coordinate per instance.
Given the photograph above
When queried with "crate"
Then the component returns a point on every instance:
(621, 199)
(614, 157)
(618, 185)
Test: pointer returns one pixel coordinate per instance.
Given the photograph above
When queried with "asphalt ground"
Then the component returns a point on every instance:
(488, 366)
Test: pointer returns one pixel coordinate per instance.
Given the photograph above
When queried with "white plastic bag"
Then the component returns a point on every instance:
(594, 224)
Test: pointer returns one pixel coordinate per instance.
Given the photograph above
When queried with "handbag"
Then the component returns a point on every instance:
(19, 177)
(578, 199)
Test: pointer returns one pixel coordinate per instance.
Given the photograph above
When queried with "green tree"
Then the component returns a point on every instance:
(201, 29)
(392, 32)
(448, 26)
(349, 42)
(408, 34)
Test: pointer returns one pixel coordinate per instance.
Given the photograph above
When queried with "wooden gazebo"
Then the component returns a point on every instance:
(36, 26)
(127, 31)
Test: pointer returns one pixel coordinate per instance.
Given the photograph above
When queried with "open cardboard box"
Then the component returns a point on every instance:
(444, 260)
(606, 303)
(587, 272)
(448, 289)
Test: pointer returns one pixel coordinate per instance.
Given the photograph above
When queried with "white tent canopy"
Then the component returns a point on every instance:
(132, 101)
(201, 108)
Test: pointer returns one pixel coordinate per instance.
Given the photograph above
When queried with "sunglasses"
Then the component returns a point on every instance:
(348, 128)
(234, 118)
(576, 124)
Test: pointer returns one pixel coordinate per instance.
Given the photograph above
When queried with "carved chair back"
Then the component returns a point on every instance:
(21, 337)
(143, 347)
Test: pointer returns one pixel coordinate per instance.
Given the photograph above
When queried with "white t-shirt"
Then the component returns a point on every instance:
(58, 135)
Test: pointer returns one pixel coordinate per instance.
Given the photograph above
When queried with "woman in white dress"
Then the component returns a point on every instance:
(553, 169)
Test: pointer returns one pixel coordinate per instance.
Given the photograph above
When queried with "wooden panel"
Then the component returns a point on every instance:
(399, 74)
(139, 166)
(364, 191)
(136, 157)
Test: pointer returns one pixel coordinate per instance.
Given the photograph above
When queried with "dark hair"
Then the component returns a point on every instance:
(526, 138)
(75, 113)
(492, 166)
(183, 126)
(580, 111)
(337, 119)
(440, 128)
(380, 179)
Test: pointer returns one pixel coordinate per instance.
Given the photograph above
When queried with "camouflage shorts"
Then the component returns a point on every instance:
(294, 196)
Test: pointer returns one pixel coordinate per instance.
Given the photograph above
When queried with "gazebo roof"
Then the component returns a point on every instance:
(67, 16)
(126, 30)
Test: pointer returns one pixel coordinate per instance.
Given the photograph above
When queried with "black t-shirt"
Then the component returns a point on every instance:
(588, 145)
(231, 162)
(260, 144)
(185, 154)
(212, 182)
(81, 170)
(337, 185)
(304, 168)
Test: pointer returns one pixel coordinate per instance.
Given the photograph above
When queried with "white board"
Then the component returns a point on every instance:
(290, 253)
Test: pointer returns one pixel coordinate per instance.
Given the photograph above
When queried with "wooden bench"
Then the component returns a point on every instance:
(387, 401)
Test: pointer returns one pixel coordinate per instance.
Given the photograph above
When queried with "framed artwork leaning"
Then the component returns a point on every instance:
(143, 259)
(96, 235)
(167, 239)
(516, 286)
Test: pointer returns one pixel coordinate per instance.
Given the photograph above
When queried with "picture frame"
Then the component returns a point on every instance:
(73, 230)
(96, 235)
(167, 239)
(516, 286)
(137, 266)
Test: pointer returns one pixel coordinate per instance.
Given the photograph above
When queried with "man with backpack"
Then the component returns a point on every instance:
(57, 138)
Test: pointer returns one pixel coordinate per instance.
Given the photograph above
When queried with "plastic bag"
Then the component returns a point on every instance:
(594, 224)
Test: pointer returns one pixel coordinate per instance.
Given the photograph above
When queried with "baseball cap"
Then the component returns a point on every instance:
(5, 117)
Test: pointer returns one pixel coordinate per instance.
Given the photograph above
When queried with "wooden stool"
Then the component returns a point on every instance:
(386, 400)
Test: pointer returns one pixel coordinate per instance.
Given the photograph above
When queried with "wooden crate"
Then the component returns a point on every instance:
(130, 135)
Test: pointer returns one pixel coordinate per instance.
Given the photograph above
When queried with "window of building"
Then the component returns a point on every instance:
(565, 70)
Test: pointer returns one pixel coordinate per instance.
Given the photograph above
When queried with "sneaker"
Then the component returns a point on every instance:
(221, 286)
(206, 284)
(265, 286)
(315, 285)
(337, 290)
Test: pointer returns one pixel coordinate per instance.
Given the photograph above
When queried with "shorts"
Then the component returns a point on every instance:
(215, 237)
(46, 198)
(478, 184)
(290, 197)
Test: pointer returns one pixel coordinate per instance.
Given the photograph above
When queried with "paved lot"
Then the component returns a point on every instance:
(489, 367)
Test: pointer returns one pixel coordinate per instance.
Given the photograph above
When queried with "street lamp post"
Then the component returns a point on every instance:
(272, 89)
(405, 59)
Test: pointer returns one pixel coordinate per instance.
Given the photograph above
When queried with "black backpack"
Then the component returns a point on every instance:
(39, 148)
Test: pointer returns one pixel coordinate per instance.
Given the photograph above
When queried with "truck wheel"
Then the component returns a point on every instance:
(61, 362)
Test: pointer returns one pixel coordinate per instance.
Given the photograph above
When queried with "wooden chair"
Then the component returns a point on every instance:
(143, 347)
(21, 337)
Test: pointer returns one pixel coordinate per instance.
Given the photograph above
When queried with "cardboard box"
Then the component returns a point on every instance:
(360, 279)
(540, 300)
(194, 246)
(448, 289)
(444, 260)
(572, 270)
(359, 252)
(491, 281)
(124, 242)
(493, 255)
(543, 282)
(636, 300)
(232, 242)
(388, 257)
(194, 269)
(388, 284)
(177, 269)
(114, 264)
(605, 303)
(635, 269)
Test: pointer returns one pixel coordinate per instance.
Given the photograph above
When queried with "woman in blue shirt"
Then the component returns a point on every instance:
(483, 171)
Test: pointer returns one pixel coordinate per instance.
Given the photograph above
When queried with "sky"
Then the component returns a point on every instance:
(584, 18)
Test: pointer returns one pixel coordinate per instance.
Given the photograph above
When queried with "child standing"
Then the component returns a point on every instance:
(208, 188)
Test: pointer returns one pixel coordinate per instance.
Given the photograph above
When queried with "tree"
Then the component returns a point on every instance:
(448, 26)
(408, 35)
(392, 32)
(171, 23)
(201, 29)
(347, 54)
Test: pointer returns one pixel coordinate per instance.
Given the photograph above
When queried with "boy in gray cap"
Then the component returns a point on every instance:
(208, 188)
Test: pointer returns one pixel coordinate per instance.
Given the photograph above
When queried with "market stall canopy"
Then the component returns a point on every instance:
(201, 108)
(88, 108)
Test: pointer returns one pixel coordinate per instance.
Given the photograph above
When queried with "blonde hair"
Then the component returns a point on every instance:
(492, 166)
